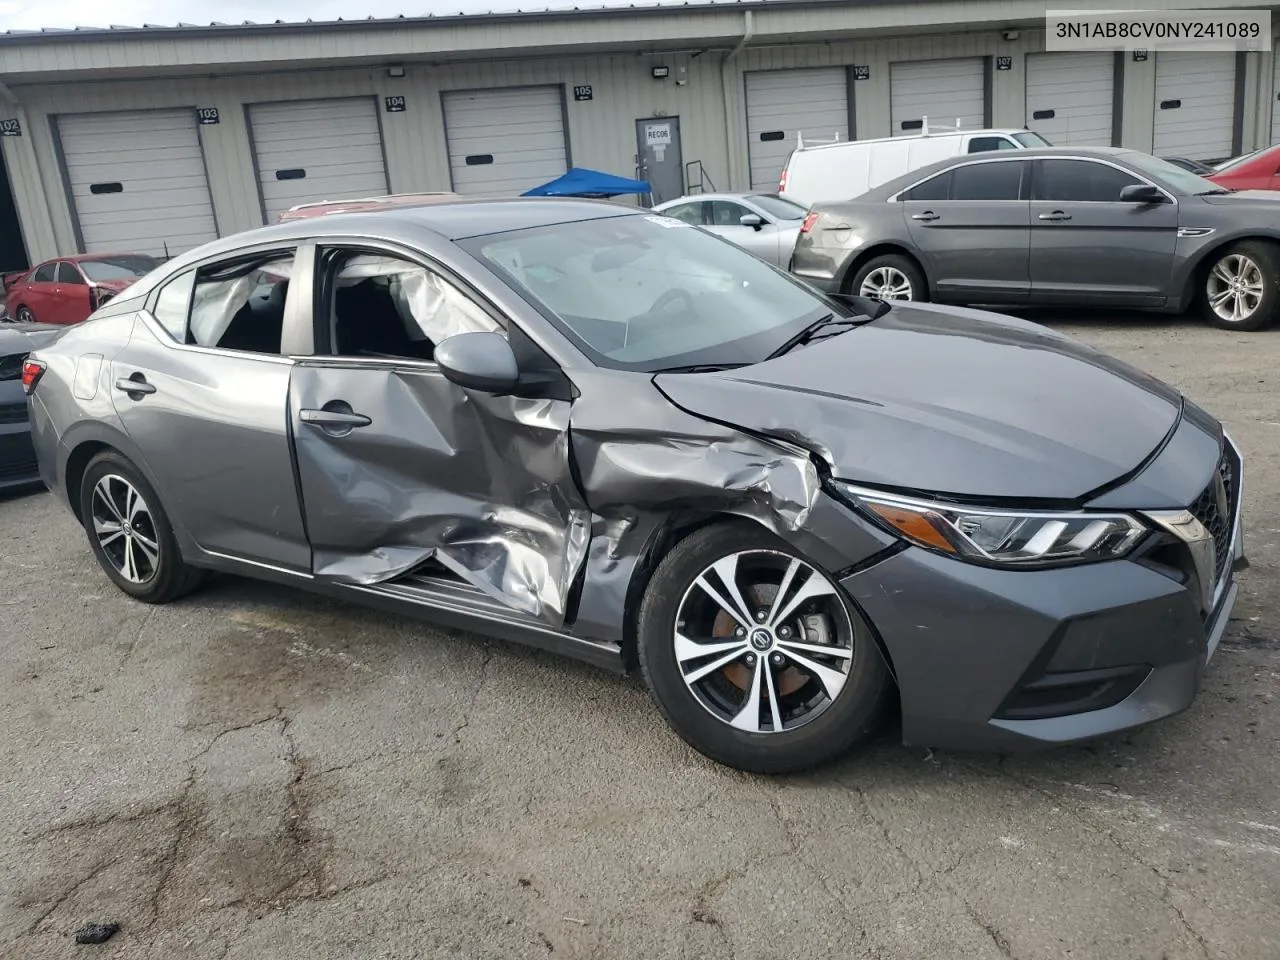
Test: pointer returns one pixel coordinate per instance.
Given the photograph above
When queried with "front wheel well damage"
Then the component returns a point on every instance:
(77, 464)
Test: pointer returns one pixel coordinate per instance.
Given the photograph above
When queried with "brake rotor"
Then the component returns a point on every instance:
(738, 673)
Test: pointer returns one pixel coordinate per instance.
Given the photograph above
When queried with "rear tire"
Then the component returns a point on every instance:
(1241, 288)
(130, 533)
(756, 688)
(890, 276)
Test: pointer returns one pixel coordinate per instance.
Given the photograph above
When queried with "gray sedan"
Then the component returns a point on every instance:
(1072, 226)
(762, 223)
(605, 433)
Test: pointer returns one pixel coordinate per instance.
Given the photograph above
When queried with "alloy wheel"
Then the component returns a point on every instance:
(886, 283)
(1235, 288)
(763, 641)
(125, 529)
(25, 315)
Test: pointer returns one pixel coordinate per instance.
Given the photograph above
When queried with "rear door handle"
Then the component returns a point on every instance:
(926, 216)
(1056, 215)
(135, 385)
(335, 418)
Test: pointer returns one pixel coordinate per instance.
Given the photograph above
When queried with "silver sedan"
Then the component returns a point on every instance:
(762, 223)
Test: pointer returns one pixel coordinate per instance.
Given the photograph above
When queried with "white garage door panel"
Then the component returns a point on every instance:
(1205, 85)
(522, 129)
(942, 90)
(814, 103)
(1079, 89)
(1275, 97)
(163, 206)
(337, 143)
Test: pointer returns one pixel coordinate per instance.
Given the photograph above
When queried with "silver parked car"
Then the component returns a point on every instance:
(1081, 226)
(763, 223)
(608, 434)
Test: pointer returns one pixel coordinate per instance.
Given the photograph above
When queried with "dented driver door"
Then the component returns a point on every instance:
(398, 466)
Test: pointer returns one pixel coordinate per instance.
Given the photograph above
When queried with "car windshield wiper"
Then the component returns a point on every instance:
(825, 326)
(701, 368)
(1214, 192)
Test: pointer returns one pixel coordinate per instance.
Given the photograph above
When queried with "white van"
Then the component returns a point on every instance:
(825, 172)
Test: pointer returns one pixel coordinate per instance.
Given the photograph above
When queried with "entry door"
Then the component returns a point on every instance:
(399, 466)
(658, 146)
(1088, 246)
(971, 225)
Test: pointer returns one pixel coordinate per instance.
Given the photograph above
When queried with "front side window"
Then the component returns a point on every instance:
(1081, 181)
(241, 305)
(69, 275)
(44, 273)
(646, 293)
(983, 144)
(727, 214)
(385, 306)
(999, 180)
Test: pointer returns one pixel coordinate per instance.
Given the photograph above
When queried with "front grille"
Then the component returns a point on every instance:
(21, 467)
(13, 413)
(1216, 508)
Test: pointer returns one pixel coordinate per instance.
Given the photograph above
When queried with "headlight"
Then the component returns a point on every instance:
(1007, 537)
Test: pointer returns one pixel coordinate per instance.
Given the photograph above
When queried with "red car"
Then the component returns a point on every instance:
(1259, 170)
(68, 289)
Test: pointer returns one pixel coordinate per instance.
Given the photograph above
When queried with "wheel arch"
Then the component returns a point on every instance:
(85, 441)
(1197, 268)
(886, 248)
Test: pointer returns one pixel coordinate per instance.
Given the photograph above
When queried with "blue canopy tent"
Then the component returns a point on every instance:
(580, 182)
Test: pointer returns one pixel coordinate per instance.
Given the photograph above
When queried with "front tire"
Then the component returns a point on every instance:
(130, 533)
(889, 277)
(24, 315)
(1241, 290)
(755, 656)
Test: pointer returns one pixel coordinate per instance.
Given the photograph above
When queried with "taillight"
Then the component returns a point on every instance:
(32, 371)
(782, 181)
(809, 221)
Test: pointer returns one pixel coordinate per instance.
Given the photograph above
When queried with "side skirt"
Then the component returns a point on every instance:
(439, 600)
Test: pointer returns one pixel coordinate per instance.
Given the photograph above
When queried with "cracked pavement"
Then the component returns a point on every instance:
(257, 773)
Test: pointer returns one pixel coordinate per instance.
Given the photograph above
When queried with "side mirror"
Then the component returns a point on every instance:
(1141, 193)
(479, 361)
(751, 220)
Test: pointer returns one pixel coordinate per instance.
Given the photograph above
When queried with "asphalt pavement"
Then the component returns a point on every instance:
(255, 773)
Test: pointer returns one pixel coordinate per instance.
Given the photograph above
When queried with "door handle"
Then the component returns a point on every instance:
(926, 216)
(135, 385)
(335, 418)
(1056, 215)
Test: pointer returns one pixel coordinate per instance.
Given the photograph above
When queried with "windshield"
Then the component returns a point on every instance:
(1029, 138)
(777, 207)
(1170, 175)
(651, 292)
(118, 268)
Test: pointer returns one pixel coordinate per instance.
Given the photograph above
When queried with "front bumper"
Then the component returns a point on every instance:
(999, 659)
(18, 467)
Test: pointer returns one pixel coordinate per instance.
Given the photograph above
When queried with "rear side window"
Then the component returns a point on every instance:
(987, 181)
(44, 274)
(1082, 181)
(935, 188)
(174, 303)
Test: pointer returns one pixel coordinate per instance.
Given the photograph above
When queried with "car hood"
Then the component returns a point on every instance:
(948, 401)
(1258, 198)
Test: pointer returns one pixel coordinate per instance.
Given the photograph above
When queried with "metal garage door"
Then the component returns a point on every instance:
(1070, 97)
(941, 90)
(312, 150)
(1275, 97)
(782, 104)
(1195, 104)
(503, 142)
(138, 181)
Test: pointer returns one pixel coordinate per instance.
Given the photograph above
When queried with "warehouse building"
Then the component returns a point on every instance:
(156, 139)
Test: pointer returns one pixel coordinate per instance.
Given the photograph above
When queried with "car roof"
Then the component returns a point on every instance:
(324, 207)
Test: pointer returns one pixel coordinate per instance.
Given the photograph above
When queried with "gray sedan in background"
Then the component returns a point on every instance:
(605, 433)
(1069, 226)
(761, 223)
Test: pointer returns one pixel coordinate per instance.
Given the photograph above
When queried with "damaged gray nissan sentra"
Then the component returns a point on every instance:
(615, 436)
